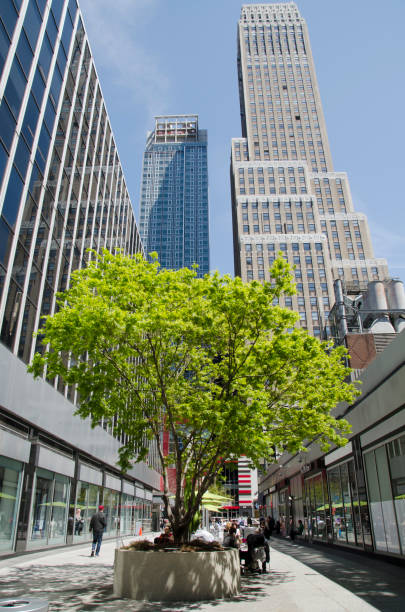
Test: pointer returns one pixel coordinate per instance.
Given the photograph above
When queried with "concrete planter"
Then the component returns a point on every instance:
(176, 576)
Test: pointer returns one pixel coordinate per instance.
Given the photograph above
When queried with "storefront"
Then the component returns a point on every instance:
(89, 495)
(349, 512)
(49, 510)
(385, 472)
(272, 502)
(49, 504)
(128, 509)
(296, 499)
(111, 503)
(11, 472)
(316, 507)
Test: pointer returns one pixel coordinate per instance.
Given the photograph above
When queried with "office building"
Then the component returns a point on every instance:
(62, 190)
(286, 195)
(174, 196)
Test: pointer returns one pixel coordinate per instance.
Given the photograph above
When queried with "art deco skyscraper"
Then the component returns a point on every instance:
(174, 197)
(286, 195)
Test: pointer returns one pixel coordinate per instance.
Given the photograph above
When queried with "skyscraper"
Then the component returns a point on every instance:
(174, 196)
(62, 190)
(286, 195)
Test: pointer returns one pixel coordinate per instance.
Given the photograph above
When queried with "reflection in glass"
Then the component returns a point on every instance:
(87, 501)
(338, 516)
(396, 454)
(344, 474)
(41, 508)
(10, 478)
(57, 527)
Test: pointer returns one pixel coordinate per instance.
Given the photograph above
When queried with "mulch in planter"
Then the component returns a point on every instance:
(196, 545)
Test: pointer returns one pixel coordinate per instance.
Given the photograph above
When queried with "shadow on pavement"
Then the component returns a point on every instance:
(379, 583)
(84, 588)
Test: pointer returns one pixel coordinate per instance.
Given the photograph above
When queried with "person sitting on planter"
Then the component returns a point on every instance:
(230, 539)
(238, 534)
(165, 538)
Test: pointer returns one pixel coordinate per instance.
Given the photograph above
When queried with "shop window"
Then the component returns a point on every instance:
(337, 507)
(49, 514)
(396, 457)
(381, 502)
(10, 487)
(88, 498)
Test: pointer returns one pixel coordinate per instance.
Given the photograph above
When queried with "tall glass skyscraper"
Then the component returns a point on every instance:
(62, 190)
(174, 196)
(286, 196)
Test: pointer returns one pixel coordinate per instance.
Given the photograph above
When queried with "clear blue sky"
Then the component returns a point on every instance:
(179, 56)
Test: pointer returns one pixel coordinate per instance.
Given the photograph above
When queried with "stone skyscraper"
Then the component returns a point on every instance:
(174, 196)
(286, 196)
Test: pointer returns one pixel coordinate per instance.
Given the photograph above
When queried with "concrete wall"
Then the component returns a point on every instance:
(42, 406)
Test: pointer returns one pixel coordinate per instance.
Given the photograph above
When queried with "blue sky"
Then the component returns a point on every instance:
(179, 56)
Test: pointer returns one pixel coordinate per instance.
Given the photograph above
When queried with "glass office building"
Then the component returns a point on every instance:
(174, 196)
(62, 191)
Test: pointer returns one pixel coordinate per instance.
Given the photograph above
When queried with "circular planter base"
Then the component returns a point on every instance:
(176, 576)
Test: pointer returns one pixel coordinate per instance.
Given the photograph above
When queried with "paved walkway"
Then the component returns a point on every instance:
(300, 579)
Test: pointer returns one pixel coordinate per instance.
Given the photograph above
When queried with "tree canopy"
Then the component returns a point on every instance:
(210, 360)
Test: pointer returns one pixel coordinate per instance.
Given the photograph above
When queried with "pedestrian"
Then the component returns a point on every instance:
(79, 522)
(98, 524)
(292, 529)
(278, 527)
(230, 539)
(267, 531)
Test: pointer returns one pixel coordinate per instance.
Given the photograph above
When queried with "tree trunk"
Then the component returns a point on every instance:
(180, 534)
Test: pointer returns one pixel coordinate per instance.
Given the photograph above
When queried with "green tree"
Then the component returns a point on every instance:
(212, 361)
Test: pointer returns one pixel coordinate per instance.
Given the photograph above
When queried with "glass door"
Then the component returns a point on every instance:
(59, 508)
(49, 510)
(10, 489)
(41, 507)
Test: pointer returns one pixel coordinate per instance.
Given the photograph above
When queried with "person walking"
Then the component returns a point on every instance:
(98, 524)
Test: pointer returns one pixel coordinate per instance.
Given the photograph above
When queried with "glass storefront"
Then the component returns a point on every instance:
(316, 508)
(147, 515)
(10, 488)
(51, 518)
(50, 502)
(127, 515)
(385, 470)
(88, 498)
(284, 511)
(396, 459)
(349, 513)
(111, 501)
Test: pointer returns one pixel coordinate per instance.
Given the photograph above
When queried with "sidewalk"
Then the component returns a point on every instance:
(70, 580)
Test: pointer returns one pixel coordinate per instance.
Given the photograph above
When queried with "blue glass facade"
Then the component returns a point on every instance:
(174, 197)
(62, 191)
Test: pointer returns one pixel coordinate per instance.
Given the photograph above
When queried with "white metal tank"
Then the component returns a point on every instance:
(377, 300)
(395, 292)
